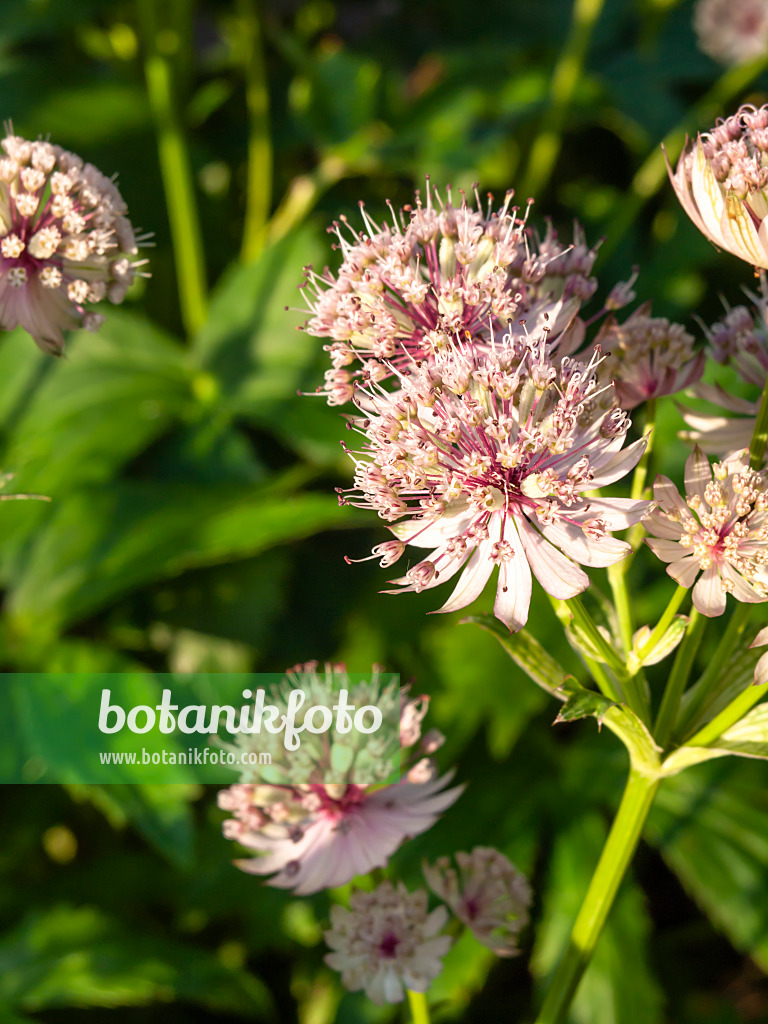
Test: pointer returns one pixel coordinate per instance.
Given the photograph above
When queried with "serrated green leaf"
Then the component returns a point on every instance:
(621, 720)
(747, 738)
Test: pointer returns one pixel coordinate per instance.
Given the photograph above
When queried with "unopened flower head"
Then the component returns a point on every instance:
(65, 241)
(739, 339)
(719, 531)
(732, 31)
(488, 454)
(387, 941)
(487, 893)
(406, 289)
(319, 834)
(647, 357)
(722, 182)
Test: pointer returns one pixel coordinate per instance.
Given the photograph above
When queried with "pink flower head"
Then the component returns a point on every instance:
(739, 339)
(64, 241)
(732, 31)
(320, 834)
(405, 290)
(722, 182)
(489, 454)
(386, 942)
(487, 893)
(720, 530)
(647, 357)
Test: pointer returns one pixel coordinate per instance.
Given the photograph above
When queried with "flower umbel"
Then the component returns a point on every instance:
(65, 241)
(490, 452)
(387, 941)
(405, 290)
(722, 182)
(720, 531)
(317, 834)
(732, 31)
(487, 893)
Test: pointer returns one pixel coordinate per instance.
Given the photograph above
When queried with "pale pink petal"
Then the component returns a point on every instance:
(619, 465)
(685, 570)
(698, 473)
(513, 593)
(708, 594)
(666, 550)
(473, 579)
(554, 571)
(594, 553)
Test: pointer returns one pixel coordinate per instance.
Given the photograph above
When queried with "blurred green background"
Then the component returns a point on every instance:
(193, 524)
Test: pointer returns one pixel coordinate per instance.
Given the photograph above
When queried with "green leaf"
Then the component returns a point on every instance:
(249, 344)
(736, 677)
(618, 987)
(526, 651)
(711, 826)
(79, 957)
(99, 545)
(621, 720)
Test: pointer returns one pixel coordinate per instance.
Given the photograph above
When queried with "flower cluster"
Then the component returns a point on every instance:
(720, 530)
(405, 291)
(318, 834)
(647, 357)
(487, 893)
(65, 241)
(489, 455)
(739, 339)
(387, 940)
(722, 182)
(732, 31)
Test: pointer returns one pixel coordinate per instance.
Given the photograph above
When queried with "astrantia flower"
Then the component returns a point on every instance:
(490, 453)
(386, 942)
(647, 357)
(720, 530)
(722, 182)
(487, 893)
(405, 290)
(65, 241)
(316, 835)
(732, 31)
(739, 339)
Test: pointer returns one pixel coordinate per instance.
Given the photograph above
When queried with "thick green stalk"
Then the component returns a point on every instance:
(617, 853)
(566, 76)
(259, 183)
(653, 172)
(417, 1001)
(174, 167)
(678, 679)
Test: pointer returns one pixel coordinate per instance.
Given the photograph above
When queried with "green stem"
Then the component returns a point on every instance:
(604, 682)
(760, 433)
(417, 1002)
(641, 469)
(664, 622)
(259, 184)
(565, 78)
(728, 716)
(678, 679)
(588, 625)
(618, 581)
(711, 675)
(653, 172)
(617, 853)
(174, 167)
